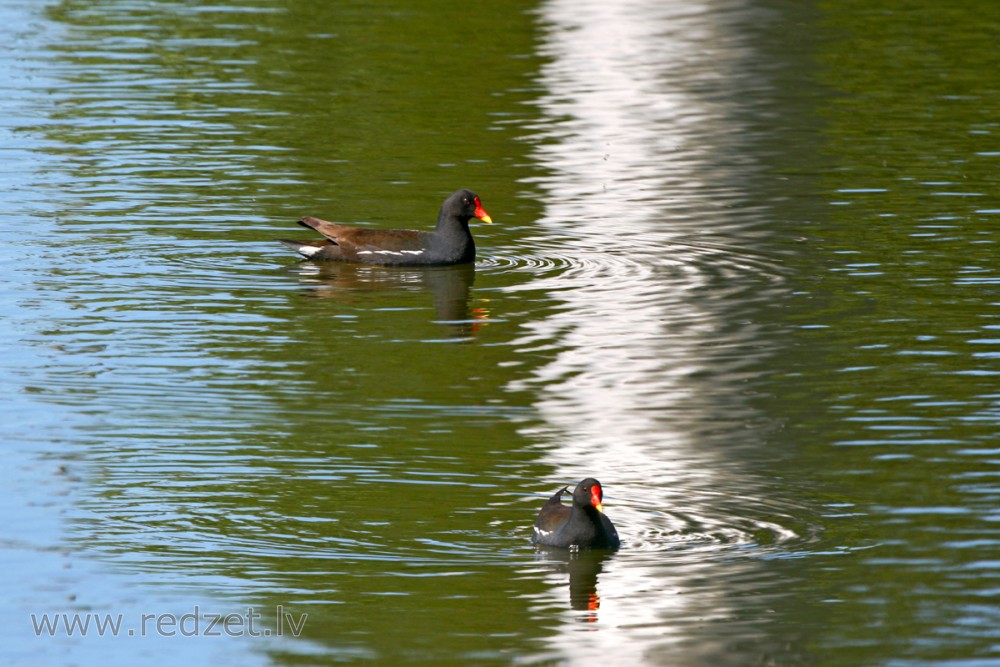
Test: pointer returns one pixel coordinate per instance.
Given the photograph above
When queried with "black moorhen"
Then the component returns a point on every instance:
(450, 243)
(581, 526)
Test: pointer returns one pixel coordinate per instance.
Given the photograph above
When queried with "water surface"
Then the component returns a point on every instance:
(742, 272)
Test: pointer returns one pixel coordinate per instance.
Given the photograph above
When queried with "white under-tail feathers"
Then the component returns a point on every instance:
(308, 250)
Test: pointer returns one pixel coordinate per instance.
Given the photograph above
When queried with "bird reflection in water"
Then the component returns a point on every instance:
(450, 288)
(584, 568)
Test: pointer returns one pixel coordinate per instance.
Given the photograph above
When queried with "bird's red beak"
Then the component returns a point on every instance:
(596, 497)
(481, 212)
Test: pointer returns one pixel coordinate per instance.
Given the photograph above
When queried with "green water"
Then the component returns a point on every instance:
(742, 271)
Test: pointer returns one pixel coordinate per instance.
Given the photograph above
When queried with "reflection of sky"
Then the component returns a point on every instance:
(620, 144)
(630, 332)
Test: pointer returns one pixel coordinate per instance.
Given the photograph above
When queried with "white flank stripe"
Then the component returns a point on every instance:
(400, 252)
(391, 252)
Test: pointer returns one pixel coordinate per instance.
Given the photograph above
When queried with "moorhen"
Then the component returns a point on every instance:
(449, 243)
(580, 526)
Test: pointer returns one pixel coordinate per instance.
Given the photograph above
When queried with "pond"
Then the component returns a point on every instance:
(742, 270)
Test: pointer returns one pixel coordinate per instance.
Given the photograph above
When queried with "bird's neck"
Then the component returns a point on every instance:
(449, 224)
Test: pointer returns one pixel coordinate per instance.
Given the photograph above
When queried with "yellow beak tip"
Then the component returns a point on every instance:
(486, 219)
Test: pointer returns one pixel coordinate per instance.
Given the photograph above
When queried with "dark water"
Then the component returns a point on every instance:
(743, 272)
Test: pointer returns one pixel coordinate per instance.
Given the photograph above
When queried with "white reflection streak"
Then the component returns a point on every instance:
(613, 129)
(607, 148)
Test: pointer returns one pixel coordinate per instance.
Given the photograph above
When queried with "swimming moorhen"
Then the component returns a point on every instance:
(449, 243)
(580, 526)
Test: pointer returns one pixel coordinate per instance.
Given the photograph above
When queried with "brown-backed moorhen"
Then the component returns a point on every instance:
(583, 525)
(450, 243)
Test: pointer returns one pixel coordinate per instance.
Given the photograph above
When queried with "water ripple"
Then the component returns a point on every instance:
(699, 262)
